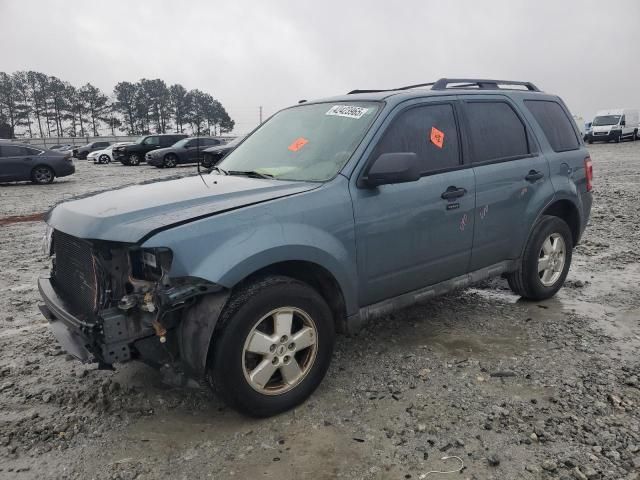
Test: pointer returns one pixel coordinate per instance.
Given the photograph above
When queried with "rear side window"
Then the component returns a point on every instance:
(429, 131)
(12, 151)
(555, 124)
(495, 131)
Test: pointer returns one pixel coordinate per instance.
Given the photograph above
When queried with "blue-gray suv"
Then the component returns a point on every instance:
(329, 214)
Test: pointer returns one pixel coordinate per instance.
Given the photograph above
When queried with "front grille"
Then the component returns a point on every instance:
(75, 274)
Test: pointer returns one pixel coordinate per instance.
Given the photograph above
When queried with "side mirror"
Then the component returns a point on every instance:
(391, 168)
(623, 123)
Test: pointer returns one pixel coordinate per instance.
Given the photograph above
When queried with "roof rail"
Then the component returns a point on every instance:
(443, 84)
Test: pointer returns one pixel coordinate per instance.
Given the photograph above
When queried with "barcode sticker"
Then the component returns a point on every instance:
(348, 111)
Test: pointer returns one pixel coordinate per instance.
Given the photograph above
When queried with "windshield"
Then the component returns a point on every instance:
(309, 142)
(606, 120)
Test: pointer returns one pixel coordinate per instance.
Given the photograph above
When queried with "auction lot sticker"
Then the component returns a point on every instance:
(348, 111)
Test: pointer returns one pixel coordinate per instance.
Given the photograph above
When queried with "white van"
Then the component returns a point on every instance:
(616, 124)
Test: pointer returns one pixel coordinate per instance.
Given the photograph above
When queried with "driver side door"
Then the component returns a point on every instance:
(412, 235)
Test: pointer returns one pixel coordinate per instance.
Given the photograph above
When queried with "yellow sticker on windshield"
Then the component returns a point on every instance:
(298, 143)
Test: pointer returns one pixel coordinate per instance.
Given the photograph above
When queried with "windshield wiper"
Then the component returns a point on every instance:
(221, 170)
(250, 173)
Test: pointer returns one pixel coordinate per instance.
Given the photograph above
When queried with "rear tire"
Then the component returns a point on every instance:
(550, 245)
(42, 175)
(258, 361)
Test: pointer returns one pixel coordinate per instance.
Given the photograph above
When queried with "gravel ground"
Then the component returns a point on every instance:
(516, 390)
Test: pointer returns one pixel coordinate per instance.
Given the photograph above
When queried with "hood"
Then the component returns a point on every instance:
(160, 151)
(131, 213)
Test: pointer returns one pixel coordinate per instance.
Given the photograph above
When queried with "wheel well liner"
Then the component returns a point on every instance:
(567, 211)
(315, 276)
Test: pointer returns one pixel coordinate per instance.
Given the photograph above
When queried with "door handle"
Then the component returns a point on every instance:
(453, 192)
(533, 176)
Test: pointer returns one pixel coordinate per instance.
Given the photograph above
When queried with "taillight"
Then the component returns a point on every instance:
(588, 173)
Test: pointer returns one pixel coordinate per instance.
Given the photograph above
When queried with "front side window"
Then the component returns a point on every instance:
(495, 131)
(429, 131)
(309, 142)
(32, 151)
(555, 124)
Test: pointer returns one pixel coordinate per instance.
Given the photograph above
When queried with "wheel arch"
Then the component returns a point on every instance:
(316, 276)
(568, 211)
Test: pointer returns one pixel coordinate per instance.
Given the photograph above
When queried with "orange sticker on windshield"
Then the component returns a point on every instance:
(437, 137)
(298, 143)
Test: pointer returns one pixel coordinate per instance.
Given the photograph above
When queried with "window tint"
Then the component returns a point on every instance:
(151, 141)
(495, 131)
(12, 151)
(102, 144)
(32, 151)
(429, 131)
(210, 142)
(555, 124)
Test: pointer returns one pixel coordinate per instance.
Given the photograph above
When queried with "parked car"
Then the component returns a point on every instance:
(20, 162)
(105, 156)
(187, 150)
(82, 152)
(587, 130)
(213, 155)
(65, 146)
(329, 214)
(617, 124)
(135, 153)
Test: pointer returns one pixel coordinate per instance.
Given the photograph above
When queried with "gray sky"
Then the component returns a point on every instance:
(274, 53)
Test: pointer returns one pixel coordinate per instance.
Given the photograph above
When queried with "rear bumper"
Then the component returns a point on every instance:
(69, 330)
(66, 169)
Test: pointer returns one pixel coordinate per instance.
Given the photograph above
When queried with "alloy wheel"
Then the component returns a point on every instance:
(280, 350)
(551, 259)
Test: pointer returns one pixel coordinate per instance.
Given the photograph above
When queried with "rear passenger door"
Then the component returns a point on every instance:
(15, 163)
(407, 235)
(512, 178)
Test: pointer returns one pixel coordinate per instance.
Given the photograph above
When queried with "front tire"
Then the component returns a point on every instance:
(274, 346)
(546, 260)
(134, 160)
(170, 161)
(103, 159)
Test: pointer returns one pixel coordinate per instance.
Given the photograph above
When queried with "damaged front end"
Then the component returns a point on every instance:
(112, 302)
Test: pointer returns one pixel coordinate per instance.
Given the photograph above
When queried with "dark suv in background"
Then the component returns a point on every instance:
(135, 153)
(82, 152)
(187, 150)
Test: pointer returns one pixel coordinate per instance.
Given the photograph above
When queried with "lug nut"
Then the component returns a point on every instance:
(286, 358)
(275, 360)
(272, 348)
(283, 339)
(292, 346)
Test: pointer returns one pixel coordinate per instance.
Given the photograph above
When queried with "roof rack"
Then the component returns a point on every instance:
(443, 84)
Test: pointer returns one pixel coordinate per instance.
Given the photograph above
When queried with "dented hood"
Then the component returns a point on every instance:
(132, 213)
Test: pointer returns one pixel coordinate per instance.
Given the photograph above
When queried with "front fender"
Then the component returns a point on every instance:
(242, 255)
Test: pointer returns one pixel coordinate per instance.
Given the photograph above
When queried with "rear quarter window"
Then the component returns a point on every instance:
(555, 124)
(496, 132)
